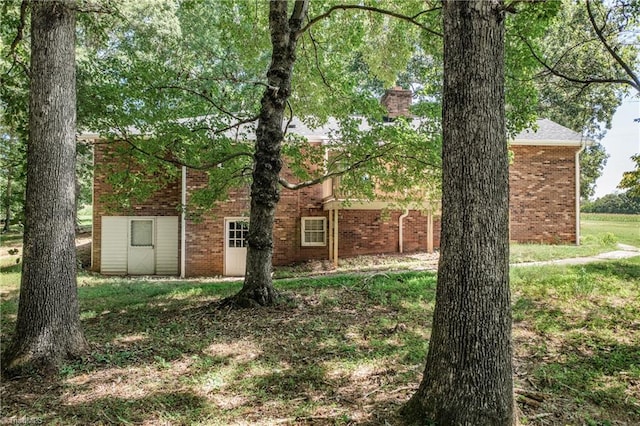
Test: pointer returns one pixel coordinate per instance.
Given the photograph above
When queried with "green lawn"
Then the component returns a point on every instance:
(625, 228)
(599, 233)
(344, 349)
(85, 217)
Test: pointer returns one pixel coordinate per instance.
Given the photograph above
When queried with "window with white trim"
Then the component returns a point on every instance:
(314, 231)
(141, 233)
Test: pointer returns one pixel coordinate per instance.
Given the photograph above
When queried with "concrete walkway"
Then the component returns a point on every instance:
(624, 252)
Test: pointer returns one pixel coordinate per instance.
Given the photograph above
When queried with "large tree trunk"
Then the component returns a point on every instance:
(7, 201)
(265, 192)
(48, 324)
(468, 375)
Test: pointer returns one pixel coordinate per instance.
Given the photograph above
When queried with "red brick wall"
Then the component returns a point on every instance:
(542, 203)
(205, 238)
(164, 202)
(205, 235)
(373, 232)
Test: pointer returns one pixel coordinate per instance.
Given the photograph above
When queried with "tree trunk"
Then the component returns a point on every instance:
(7, 201)
(48, 324)
(468, 375)
(265, 192)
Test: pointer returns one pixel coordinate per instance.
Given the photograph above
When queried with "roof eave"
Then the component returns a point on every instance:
(533, 142)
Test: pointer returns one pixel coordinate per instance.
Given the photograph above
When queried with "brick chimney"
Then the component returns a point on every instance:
(397, 101)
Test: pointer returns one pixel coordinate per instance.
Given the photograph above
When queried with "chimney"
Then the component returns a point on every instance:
(397, 101)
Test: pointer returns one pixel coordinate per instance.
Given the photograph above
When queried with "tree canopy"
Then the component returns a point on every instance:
(631, 179)
(579, 82)
(197, 96)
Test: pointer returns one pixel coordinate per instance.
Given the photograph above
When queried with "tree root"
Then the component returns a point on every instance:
(27, 362)
(249, 300)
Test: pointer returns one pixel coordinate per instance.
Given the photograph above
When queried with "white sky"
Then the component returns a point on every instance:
(621, 142)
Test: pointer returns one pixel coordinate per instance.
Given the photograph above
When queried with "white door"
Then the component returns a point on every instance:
(141, 258)
(235, 244)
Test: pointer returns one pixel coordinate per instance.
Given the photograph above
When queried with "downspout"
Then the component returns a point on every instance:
(583, 145)
(93, 203)
(183, 224)
(400, 229)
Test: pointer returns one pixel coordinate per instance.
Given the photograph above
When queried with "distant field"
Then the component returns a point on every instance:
(624, 227)
(610, 217)
(598, 233)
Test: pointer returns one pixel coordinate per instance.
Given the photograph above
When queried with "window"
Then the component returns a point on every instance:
(314, 231)
(238, 232)
(141, 233)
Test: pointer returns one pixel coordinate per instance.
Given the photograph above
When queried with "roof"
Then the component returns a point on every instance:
(546, 132)
(549, 132)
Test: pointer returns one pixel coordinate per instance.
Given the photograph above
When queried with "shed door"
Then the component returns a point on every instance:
(141, 247)
(114, 245)
(235, 243)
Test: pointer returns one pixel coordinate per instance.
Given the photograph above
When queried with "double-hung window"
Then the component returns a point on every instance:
(314, 231)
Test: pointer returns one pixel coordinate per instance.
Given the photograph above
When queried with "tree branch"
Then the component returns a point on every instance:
(353, 166)
(20, 30)
(635, 81)
(587, 81)
(295, 186)
(175, 161)
(511, 7)
(92, 7)
(204, 96)
(315, 51)
(343, 7)
(286, 128)
(229, 127)
(419, 161)
(18, 38)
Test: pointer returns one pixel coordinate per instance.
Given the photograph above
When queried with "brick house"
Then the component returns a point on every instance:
(154, 237)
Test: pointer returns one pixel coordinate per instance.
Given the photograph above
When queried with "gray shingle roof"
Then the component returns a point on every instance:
(548, 132)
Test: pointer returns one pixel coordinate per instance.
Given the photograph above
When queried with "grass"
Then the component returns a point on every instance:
(624, 228)
(577, 329)
(599, 233)
(176, 361)
(85, 217)
(11, 238)
(343, 349)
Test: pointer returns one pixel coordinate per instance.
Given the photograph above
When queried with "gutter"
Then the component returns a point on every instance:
(183, 224)
(93, 216)
(583, 145)
(400, 229)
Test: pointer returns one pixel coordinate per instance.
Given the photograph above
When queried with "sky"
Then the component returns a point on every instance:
(621, 142)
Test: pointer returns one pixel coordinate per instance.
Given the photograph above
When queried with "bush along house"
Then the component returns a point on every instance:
(154, 237)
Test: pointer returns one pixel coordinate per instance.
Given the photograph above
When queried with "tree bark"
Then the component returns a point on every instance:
(7, 201)
(468, 375)
(265, 192)
(48, 323)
